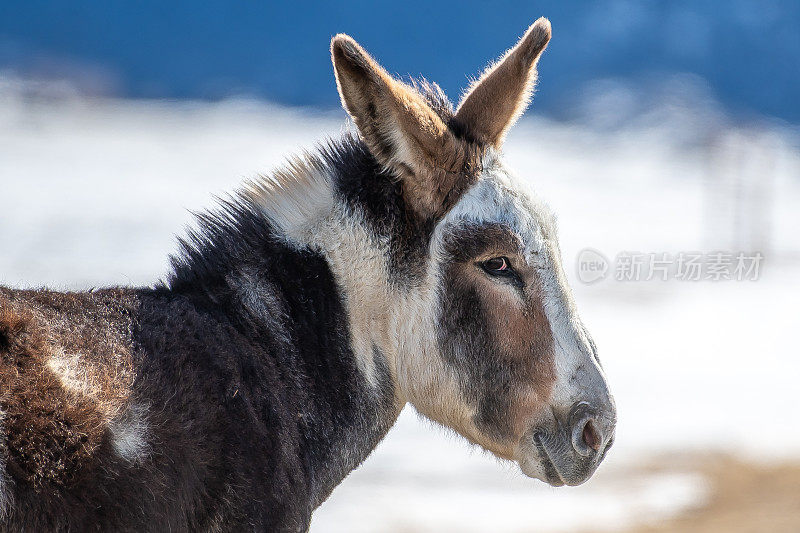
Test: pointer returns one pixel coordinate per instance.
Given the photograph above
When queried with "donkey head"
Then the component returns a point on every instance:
(486, 339)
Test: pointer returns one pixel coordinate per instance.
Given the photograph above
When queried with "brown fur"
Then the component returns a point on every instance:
(52, 432)
(502, 93)
(87, 443)
(525, 342)
(529, 337)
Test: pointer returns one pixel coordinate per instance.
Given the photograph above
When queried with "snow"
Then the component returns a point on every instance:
(93, 192)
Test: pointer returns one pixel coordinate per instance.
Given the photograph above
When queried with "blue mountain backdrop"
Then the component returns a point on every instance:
(745, 53)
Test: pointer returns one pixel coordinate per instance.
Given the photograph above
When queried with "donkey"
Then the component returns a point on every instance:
(402, 264)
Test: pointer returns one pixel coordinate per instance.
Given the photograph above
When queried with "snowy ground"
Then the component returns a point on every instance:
(93, 192)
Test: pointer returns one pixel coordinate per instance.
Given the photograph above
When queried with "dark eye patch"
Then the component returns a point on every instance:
(473, 240)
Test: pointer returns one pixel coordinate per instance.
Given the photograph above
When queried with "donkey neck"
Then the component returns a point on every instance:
(297, 269)
(342, 204)
(288, 305)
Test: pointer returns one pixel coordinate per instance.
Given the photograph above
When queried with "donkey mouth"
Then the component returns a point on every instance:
(550, 470)
(560, 465)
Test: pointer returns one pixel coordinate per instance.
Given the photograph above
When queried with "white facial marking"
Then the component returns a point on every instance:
(499, 198)
(573, 352)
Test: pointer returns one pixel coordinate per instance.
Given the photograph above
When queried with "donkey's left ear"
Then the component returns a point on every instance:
(503, 92)
(400, 129)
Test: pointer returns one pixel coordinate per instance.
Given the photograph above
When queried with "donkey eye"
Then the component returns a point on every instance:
(498, 266)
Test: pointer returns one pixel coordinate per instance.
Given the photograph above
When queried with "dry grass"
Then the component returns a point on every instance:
(743, 497)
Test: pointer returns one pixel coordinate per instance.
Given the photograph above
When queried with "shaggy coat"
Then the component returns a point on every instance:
(401, 264)
(227, 398)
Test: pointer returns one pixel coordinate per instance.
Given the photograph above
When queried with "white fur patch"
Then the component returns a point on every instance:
(72, 375)
(295, 198)
(576, 369)
(358, 261)
(129, 433)
(425, 380)
(498, 197)
(300, 201)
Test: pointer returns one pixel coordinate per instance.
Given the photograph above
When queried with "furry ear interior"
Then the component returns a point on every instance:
(400, 129)
(502, 93)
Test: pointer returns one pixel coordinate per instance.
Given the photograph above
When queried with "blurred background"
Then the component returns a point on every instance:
(658, 129)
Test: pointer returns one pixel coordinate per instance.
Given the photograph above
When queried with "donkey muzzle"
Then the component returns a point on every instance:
(592, 431)
(569, 448)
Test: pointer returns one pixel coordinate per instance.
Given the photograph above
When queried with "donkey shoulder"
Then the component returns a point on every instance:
(93, 385)
(66, 373)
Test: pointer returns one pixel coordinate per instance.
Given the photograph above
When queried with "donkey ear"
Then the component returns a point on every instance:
(494, 102)
(399, 127)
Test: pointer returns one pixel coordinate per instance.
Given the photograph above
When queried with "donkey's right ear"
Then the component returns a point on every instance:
(400, 129)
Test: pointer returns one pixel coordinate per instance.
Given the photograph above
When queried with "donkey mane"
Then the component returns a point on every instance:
(434, 96)
(229, 235)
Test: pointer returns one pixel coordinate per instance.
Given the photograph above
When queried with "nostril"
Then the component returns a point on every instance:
(590, 436)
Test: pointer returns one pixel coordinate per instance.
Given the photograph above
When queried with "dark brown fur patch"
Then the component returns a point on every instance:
(471, 241)
(48, 433)
(497, 334)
